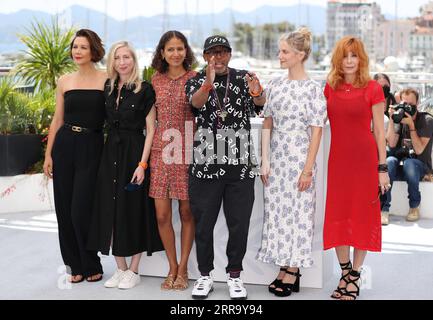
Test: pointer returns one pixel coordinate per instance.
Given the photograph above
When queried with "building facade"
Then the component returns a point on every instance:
(393, 38)
(360, 18)
(421, 44)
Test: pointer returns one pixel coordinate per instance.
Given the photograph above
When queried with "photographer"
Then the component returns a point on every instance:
(410, 132)
(385, 83)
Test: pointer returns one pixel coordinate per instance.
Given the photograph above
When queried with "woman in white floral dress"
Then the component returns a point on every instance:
(295, 112)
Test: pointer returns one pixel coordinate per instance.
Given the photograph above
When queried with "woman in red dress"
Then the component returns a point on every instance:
(357, 169)
(172, 150)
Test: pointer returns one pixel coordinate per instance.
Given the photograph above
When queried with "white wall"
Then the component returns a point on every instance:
(24, 193)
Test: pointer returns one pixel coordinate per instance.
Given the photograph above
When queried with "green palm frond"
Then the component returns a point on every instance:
(47, 54)
(148, 73)
(14, 114)
(42, 107)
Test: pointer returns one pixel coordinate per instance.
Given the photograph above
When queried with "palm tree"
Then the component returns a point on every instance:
(48, 54)
(14, 114)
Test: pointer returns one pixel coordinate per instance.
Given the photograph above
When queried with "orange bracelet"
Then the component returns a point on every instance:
(259, 94)
(143, 165)
(207, 87)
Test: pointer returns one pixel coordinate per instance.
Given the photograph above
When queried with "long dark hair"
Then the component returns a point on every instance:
(377, 76)
(160, 64)
(389, 97)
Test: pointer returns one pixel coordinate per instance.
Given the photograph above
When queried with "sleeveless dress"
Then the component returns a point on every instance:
(76, 157)
(352, 214)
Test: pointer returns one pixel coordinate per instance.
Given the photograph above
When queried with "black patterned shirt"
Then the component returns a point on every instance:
(223, 147)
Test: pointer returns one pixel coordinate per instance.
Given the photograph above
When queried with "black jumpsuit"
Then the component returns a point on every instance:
(76, 157)
(127, 219)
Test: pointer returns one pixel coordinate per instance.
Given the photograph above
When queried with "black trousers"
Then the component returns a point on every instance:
(76, 159)
(205, 200)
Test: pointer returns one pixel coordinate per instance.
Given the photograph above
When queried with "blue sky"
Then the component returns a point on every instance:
(120, 9)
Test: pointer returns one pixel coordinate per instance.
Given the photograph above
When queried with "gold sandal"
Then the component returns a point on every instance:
(168, 282)
(181, 282)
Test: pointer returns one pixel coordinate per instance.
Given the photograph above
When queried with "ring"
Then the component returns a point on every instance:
(388, 185)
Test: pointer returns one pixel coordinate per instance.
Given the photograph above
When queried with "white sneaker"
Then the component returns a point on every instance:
(237, 289)
(113, 282)
(129, 280)
(202, 287)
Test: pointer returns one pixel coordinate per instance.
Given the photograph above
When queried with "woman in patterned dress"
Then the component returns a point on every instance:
(295, 112)
(172, 150)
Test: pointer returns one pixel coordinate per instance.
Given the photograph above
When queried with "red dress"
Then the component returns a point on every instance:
(169, 171)
(352, 214)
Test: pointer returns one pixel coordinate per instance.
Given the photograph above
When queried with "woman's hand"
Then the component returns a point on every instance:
(384, 183)
(138, 176)
(265, 169)
(48, 166)
(305, 181)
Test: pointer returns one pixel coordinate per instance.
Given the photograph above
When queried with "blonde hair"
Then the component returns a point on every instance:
(134, 79)
(342, 48)
(299, 40)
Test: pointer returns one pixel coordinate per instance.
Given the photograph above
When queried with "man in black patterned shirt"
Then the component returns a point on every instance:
(224, 164)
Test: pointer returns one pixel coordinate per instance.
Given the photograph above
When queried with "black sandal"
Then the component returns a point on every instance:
(352, 294)
(276, 283)
(89, 278)
(76, 281)
(341, 290)
(288, 288)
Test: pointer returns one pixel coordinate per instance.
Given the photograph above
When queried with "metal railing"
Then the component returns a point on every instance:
(423, 82)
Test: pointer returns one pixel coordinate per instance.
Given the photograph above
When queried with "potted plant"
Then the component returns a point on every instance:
(25, 116)
(18, 150)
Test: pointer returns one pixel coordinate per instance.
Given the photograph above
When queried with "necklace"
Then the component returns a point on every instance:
(221, 111)
(347, 87)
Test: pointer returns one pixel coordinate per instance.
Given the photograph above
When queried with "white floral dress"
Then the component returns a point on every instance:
(289, 214)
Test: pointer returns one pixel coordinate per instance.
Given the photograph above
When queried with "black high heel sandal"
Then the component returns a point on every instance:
(344, 277)
(288, 288)
(352, 294)
(276, 283)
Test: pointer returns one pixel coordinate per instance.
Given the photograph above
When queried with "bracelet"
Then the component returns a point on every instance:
(307, 174)
(143, 165)
(207, 87)
(412, 130)
(259, 94)
(382, 168)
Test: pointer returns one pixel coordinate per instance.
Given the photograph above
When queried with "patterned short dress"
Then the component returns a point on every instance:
(289, 214)
(172, 143)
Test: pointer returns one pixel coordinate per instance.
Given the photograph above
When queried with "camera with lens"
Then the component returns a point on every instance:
(403, 153)
(406, 151)
(400, 109)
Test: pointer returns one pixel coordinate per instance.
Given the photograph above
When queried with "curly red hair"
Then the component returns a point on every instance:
(342, 48)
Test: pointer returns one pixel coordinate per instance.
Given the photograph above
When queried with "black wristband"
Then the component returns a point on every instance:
(383, 167)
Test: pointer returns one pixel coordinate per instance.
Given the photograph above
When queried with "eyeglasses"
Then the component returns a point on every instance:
(221, 53)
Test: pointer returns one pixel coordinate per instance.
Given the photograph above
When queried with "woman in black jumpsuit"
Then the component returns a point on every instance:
(73, 154)
(125, 219)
